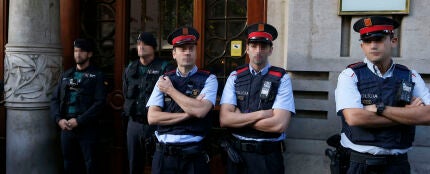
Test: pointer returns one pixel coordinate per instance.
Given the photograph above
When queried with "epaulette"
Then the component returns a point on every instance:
(169, 73)
(277, 71)
(242, 68)
(205, 72)
(403, 67)
(356, 65)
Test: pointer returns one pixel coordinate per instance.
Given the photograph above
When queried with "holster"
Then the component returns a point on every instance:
(231, 152)
(339, 157)
(150, 147)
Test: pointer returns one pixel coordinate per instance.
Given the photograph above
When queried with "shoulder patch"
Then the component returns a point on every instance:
(356, 65)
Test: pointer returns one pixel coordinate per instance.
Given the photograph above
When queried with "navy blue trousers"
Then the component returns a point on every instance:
(361, 168)
(137, 133)
(176, 164)
(79, 148)
(256, 163)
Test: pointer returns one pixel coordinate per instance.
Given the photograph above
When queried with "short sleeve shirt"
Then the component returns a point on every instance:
(284, 99)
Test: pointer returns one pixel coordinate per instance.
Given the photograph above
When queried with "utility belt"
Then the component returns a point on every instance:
(374, 160)
(184, 150)
(139, 118)
(258, 147)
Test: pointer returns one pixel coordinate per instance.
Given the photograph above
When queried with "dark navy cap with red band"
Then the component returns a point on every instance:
(183, 35)
(375, 26)
(262, 33)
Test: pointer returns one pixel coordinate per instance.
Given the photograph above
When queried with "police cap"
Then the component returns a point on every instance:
(375, 27)
(84, 44)
(262, 32)
(148, 39)
(183, 35)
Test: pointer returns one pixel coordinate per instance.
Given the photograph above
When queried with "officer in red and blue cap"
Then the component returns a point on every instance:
(375, 27)
(179, 105)
(256, 106)
(138, 81)
(379, 102)
(75, 106)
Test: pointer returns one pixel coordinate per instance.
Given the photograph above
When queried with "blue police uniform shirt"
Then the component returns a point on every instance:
(157, 99)
(348, 96)
(284, 99)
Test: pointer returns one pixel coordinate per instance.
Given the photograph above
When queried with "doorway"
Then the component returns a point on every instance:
(114, 25)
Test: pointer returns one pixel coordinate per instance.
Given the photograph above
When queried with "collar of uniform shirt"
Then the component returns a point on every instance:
(376, 71)
(262, 71)
(193, 71)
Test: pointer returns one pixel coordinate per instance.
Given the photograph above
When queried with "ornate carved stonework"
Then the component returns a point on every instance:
(30, 77)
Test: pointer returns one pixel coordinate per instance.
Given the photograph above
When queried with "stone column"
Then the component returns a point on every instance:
(32, 66)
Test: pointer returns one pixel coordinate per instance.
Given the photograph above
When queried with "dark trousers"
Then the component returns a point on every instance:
(390, 167)
(257, 163)
(137, 134)
(76, 144)
(163, 163)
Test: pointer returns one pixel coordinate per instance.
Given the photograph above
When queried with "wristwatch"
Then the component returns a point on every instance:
(380, 108)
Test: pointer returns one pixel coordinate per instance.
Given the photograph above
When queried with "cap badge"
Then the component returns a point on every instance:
(368, 22)
(260, 27)
(185, 31)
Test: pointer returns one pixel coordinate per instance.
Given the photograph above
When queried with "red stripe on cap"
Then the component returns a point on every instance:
(275, 73)
(376, 28)
(260, 34)
(183, 37)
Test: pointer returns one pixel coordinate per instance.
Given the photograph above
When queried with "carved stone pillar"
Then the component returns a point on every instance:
(32, 66)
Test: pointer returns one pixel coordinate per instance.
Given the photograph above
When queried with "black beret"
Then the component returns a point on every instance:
(183, 35)
(375, 26)
(262, 32)
(148, 39)
(84, 44)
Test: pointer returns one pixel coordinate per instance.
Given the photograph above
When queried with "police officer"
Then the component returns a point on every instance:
(178, 106)
(138, 81)
(75, 105)
(256, 106)
(371, 94)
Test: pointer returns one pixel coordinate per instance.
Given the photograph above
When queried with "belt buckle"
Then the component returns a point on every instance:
(249, 147)
(173, 150)
(376, 161)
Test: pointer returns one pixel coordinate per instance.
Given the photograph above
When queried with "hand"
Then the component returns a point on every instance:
(370, 108)
(72, 123)
(200, 97)
(416, 101)
(63, 124)
(164, 84)
(266, 113)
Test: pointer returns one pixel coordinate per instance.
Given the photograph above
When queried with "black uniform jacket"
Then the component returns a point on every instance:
(90, 99)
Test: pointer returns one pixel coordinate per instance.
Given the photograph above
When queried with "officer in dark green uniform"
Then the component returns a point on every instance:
(75, 105)
(138, 81)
